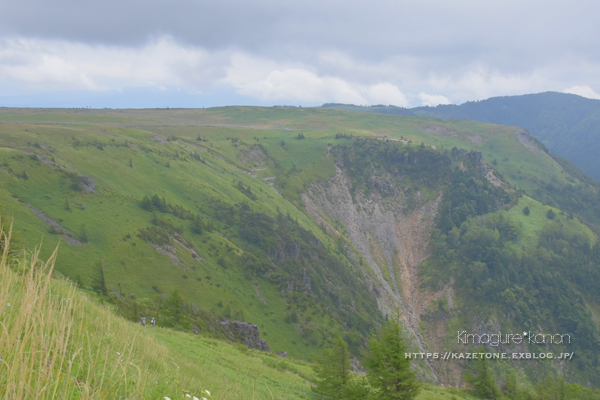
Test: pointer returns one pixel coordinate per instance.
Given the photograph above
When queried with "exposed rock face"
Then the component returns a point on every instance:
(253, 157)
(526, 140)
(357, 366)
(475, 158)
(68, 236)
(390, 225)
(392, 241)
(248, 333)
(88, 185)
(286, 250)
(160, 139)
(391, 236)
(439, 130)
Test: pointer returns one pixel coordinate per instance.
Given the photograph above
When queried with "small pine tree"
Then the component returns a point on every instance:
(130, 163)
(67, 204)
(550, 214)
(388, 369)
(78, 281)
(168, 164)
(197, 226)
(146, 204)
(526, 210)
(98, 281)
(156, 202)
(333, 370)
(82, 234)
(511, 387)
(482, 380)
(227, 311)
(175, 305)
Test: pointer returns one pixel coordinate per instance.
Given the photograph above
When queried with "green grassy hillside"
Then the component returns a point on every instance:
(197, 216)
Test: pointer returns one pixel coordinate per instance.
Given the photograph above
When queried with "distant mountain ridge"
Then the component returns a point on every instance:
(569, 125)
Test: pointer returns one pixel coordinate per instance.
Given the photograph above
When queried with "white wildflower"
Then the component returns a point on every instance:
(207, 392)
(188, 395)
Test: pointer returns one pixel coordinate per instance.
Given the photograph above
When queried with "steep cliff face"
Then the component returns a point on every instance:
(390, 237)
(391, 241)
(383, 201)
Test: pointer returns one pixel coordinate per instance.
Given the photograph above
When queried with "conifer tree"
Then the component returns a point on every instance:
(99, 283)
(146, 204)
(511, 387)
(482, 381)
(82, 234)
(388, 369)
(553, 388)
(333, 370)
(197, 227)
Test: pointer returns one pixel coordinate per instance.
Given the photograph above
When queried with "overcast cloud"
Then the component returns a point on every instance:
(407, 53)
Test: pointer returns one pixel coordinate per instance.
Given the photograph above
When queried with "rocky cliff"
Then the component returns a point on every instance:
(391, 237)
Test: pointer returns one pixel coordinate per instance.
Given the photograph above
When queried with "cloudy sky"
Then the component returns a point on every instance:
(198, 53)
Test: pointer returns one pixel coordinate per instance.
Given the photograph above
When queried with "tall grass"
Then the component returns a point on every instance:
(53, 343)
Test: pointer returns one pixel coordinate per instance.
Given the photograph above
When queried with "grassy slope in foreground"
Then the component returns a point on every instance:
(57, 343)
(61, 344)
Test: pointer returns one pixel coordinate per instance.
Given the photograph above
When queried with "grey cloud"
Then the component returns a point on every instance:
(371, 30)
(461, 49)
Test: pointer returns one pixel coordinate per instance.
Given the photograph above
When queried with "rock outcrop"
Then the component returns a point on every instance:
(248, 333)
